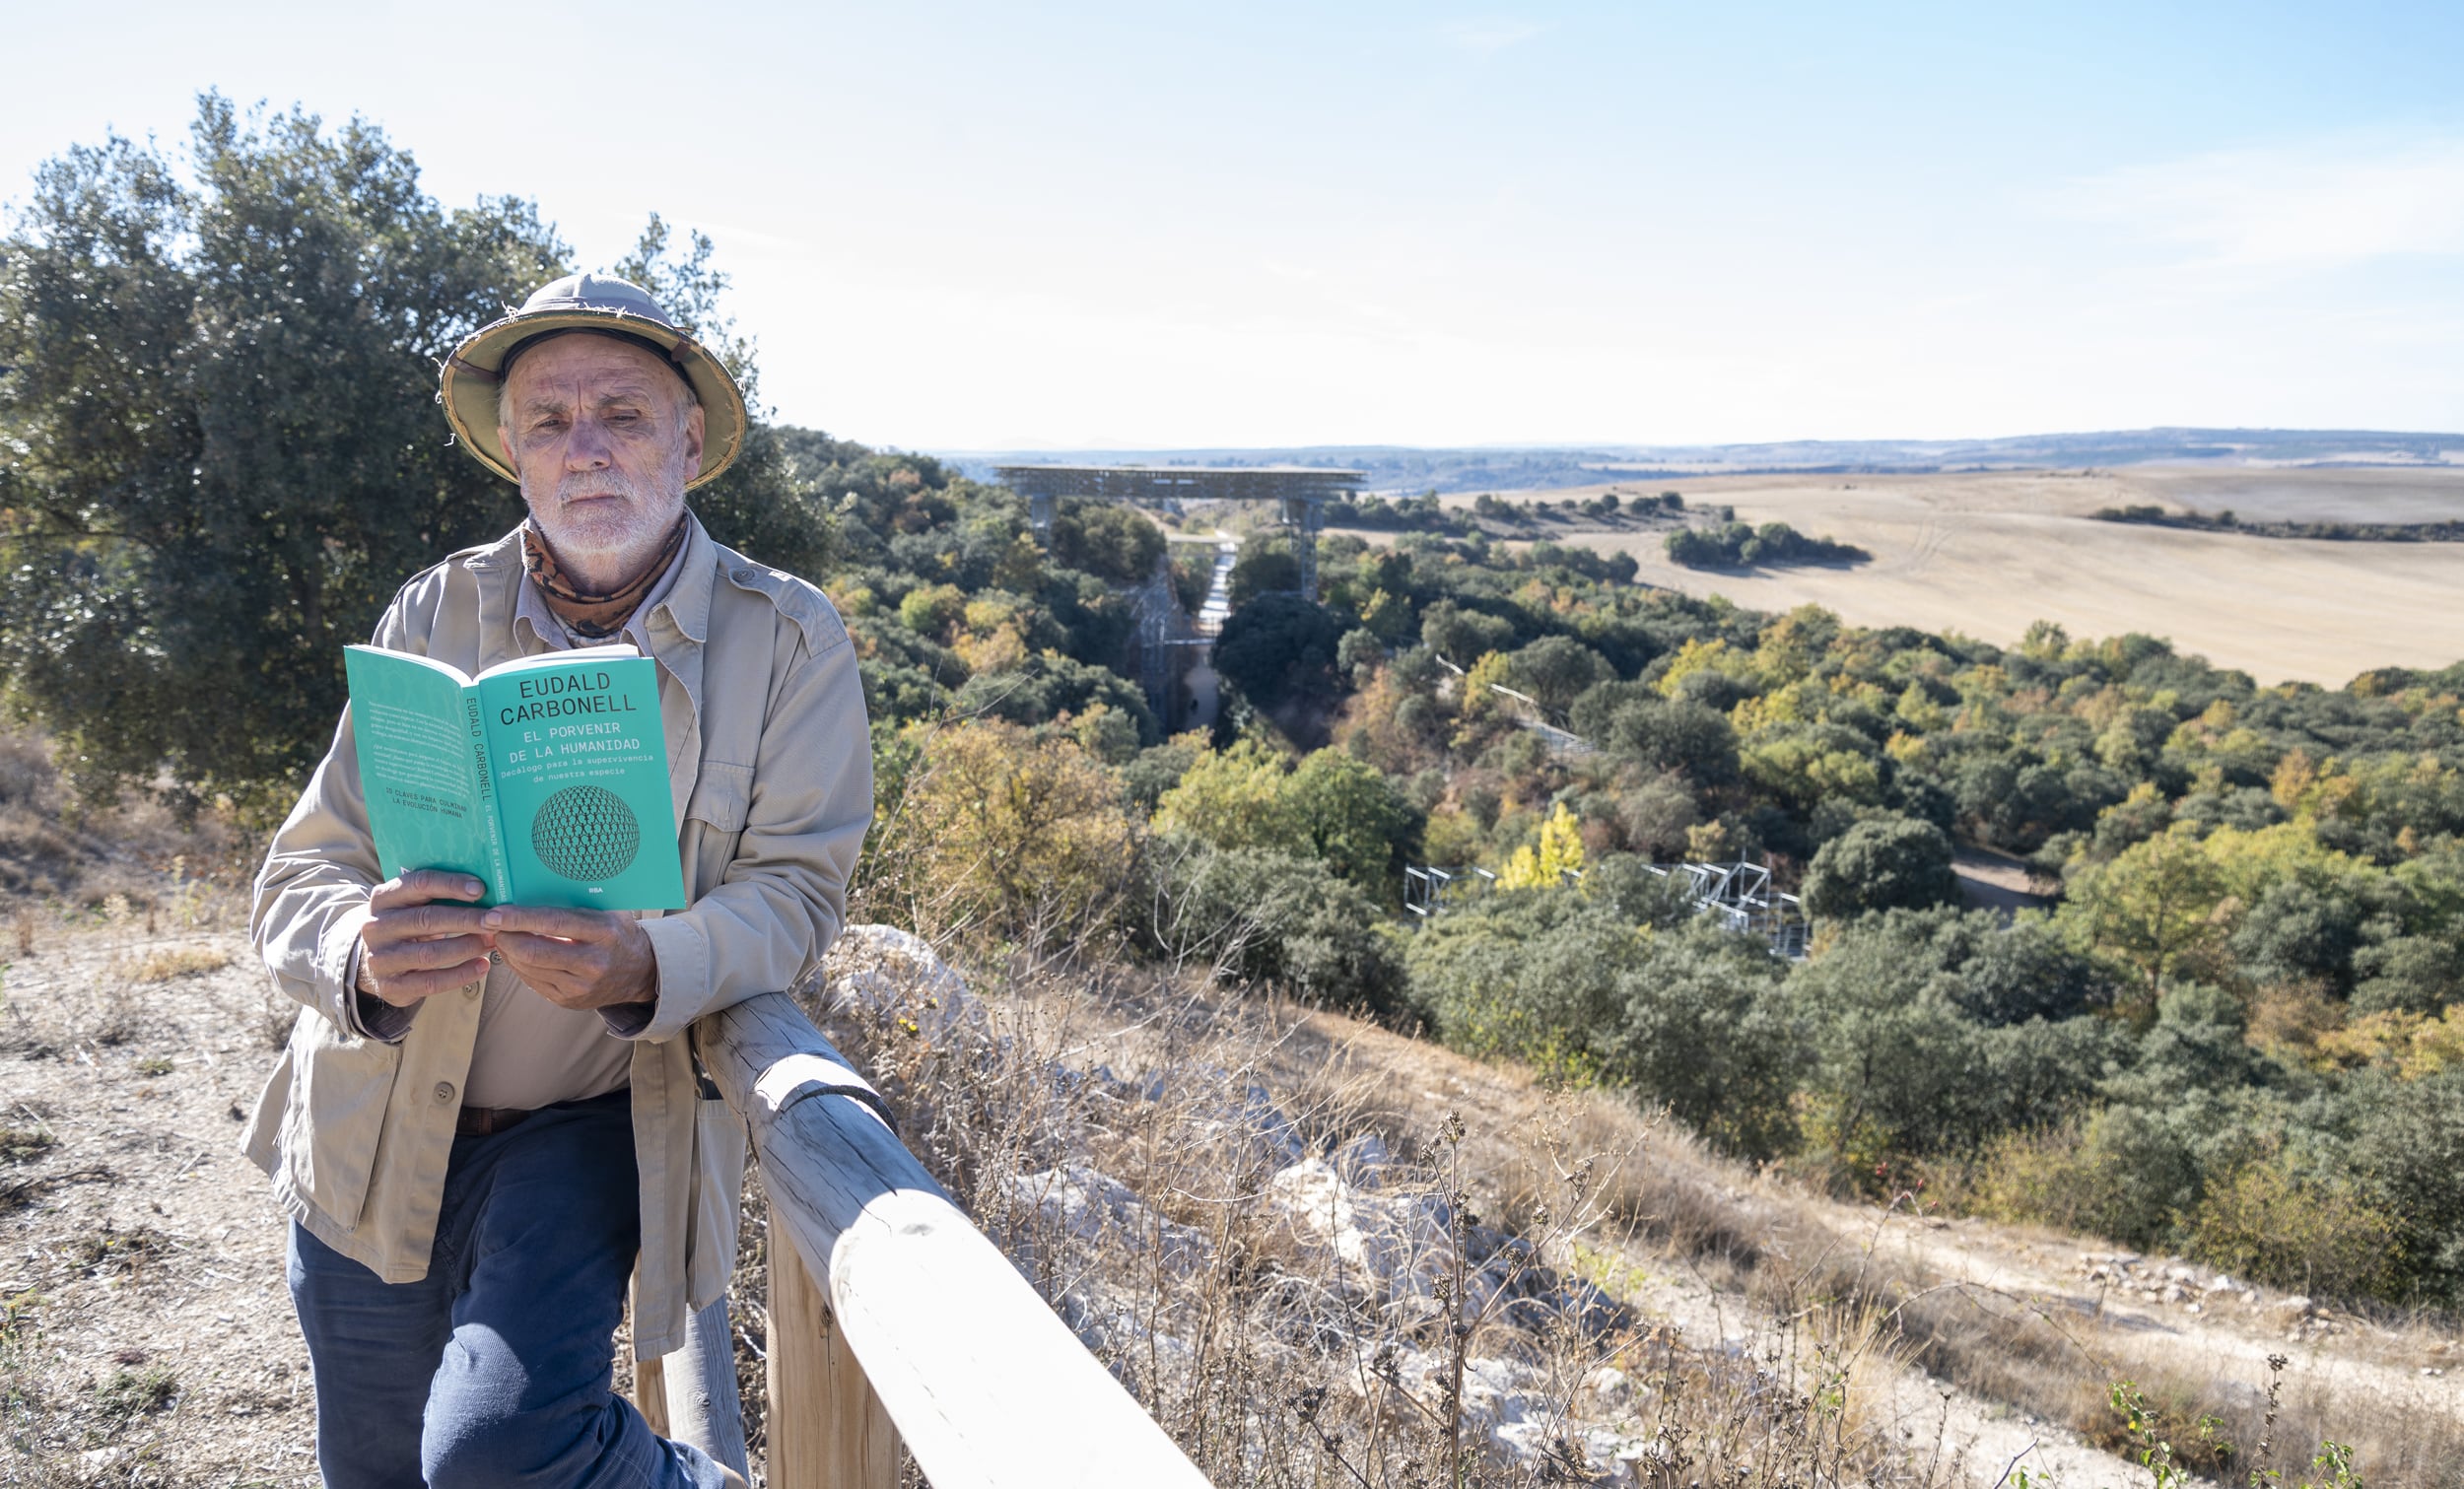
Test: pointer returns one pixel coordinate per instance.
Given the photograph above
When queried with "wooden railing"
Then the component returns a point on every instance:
(892, 1318)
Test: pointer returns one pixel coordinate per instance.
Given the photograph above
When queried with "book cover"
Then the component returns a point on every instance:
(545, 778)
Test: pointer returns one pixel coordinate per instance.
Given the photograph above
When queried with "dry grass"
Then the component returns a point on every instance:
(64, 861)
(166, 963)
(145, 1335)
(1156, 1158)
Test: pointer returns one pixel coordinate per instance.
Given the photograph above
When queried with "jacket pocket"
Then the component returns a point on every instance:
(341, 1088)
(713, 821)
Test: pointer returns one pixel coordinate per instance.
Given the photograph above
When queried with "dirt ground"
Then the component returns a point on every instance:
(147, 1337)
(1986, 555)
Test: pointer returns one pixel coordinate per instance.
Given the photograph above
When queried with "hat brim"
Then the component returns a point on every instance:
(468, 384)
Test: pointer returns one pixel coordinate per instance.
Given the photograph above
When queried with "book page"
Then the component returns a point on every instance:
(416, 764)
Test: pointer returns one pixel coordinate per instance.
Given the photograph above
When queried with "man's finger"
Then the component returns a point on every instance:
(424, 921)
(411, 986)
(538, 921)
(421, 885)
(549, 953)
(425, 956)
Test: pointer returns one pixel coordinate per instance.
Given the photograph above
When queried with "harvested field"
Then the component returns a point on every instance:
(1988, 554)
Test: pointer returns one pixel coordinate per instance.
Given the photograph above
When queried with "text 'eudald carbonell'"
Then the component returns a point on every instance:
(559, 695)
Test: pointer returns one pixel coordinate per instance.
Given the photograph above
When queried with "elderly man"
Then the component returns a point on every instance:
(490, 1118)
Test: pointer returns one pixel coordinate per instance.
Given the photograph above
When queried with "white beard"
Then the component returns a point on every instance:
(606, 542)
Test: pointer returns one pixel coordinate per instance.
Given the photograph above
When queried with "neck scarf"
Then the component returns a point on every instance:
(594, 616)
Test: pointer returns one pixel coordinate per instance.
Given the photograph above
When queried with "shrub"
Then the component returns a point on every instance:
(1897, 1067)
(1675, 735)
(1265, 566)
(1737, 545)
(1462, 636)
(1272, 918)
(1692, 1017)
(1556, 669)
(999, 835)
(1110, 540)
(2264, 1221)
(2408, 1151)
(1355, 820)
(1701, 1026)
(1052, 684)
(1883, 863)
(1235, 797)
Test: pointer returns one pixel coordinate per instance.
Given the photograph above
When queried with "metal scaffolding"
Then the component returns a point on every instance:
(1739, 896)
(1427, 891)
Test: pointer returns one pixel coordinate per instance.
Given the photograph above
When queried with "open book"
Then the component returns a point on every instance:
(544, 776)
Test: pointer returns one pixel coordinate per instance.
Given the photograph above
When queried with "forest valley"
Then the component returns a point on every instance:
(2237, 1035)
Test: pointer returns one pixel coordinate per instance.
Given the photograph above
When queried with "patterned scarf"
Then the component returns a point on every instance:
(593, 616)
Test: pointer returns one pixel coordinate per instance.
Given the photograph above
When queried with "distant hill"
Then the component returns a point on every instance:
(1403, 469)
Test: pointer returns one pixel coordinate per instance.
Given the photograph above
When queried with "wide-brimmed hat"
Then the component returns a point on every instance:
(610, 307)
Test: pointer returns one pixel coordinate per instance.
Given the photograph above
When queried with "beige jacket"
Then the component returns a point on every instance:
(772, 771)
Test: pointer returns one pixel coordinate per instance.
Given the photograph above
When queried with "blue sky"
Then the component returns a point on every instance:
(972, 227)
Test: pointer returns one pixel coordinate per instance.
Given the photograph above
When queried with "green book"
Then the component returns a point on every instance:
(545, 778)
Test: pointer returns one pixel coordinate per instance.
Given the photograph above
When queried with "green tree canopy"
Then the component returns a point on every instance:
(1278, 651)
(1883, 863)
(222, 449)
(1355, 820)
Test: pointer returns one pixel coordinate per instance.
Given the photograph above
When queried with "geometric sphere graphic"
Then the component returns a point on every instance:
(583, 832)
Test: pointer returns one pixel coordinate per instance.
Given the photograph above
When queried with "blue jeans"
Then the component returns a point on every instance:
(495, 1369)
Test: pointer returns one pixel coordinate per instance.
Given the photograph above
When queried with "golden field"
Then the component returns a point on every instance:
(1987, 554)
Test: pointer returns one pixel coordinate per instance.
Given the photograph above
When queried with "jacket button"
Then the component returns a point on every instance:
(444, 1091)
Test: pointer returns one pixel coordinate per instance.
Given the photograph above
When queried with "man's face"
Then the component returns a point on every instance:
(604, 436)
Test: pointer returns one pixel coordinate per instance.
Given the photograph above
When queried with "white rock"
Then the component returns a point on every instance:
(1081, 1201)
(1364, 1159)
(1610, 1387)
(885, 972)
(1388, 1245)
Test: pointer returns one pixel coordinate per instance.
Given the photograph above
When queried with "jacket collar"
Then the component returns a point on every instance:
(687, 605)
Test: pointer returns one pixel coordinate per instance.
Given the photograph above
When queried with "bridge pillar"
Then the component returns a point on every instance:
(1305, 517)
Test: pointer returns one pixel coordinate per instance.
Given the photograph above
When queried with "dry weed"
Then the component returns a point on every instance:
(1303, 1288)
(181, 962)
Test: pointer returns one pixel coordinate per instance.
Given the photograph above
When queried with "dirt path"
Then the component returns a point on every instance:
(2201, 1326)
(148, 1334)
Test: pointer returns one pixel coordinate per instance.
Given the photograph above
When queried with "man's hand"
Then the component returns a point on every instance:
(577, 958)
(414, 947)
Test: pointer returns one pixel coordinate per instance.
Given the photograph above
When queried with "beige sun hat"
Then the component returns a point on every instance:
(600, 303)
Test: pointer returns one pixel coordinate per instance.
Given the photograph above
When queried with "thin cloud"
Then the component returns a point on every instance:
(2313, 205)
(1488, 36)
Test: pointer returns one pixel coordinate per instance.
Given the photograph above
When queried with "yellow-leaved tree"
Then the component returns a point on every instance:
(1001, 835)
(1559, 853)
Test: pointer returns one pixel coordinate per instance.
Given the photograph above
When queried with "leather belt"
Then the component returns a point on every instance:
(484, 1122)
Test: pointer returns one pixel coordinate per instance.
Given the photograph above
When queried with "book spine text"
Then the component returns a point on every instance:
(491, 821)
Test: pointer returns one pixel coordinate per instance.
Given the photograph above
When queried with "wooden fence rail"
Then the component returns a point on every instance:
(888, 1307)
